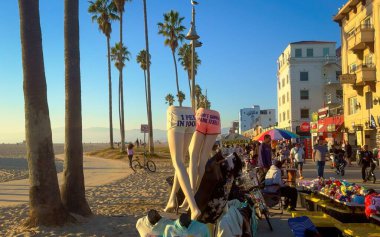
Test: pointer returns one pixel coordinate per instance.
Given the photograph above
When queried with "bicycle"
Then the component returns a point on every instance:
(148, 164)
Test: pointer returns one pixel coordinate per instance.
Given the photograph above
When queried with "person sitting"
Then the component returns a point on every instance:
(273, 178)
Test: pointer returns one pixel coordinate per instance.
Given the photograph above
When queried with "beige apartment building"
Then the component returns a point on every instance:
(360, 34)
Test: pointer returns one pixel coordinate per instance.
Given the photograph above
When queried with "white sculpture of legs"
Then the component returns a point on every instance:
(180, 126)
(207, 129)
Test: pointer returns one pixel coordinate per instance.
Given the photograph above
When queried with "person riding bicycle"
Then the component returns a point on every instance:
(366, 160)
(273, 180)
(339, 159)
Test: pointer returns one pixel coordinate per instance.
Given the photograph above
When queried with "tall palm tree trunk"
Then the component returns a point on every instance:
(44, 200)
(176, 75)
(110, 91)
(146, 96)
(150, 120)
(121, 96)
(73, 192)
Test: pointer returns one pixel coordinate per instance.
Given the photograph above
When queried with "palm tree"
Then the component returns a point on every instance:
(172, 30)
(73, 192)
(169, 99)
(181, 97)
(185, 57)
(103, 12)
(141, 59)
(198, 93)
(150, 120)
(45, 205)
(119, 54)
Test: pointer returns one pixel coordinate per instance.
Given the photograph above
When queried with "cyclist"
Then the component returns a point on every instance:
(366, 160)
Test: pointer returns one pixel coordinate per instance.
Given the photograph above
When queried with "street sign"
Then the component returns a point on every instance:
(144, 128)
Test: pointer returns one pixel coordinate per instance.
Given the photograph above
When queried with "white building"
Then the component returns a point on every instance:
(308, 79)
(252, 117)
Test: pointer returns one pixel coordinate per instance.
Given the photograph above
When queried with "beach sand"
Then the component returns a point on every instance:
(116, 207)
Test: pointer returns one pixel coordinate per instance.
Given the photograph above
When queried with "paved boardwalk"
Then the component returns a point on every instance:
(97, 171)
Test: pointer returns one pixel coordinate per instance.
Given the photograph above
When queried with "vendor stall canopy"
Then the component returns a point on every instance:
(233, 138)
(276, 134)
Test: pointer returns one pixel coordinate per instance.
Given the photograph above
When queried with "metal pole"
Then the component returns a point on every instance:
(193, 65)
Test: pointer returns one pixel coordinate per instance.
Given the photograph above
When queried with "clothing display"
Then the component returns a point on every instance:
(231, 223)
(181, 118)
(146, 229)
(208, 121)
(195, 229)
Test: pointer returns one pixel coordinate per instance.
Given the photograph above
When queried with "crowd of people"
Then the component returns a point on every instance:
(271, 156)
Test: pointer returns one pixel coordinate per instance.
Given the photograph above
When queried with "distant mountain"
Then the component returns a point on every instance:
(101, 134)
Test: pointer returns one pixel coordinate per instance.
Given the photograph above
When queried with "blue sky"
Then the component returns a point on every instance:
(241, 42)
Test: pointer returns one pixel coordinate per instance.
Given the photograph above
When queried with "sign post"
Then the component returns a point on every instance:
(144, 129)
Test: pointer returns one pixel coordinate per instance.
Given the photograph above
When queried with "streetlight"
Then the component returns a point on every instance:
(193, 36)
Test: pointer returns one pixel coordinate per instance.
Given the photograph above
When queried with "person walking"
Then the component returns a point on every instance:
(265, 157)
(297, 156)
(348, 152)
(130, 153)
(319, 155)
(366, 160)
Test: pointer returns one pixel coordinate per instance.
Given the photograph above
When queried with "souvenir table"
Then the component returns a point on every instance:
(338, 198)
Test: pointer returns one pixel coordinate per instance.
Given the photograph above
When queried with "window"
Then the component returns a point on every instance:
(368, 60)
(304, 113)
(287, 79)
(366, 23)
(304, 76)
(352, 68)
(283, 82)
(352, 105)
(287, 114)
(326, 52)
(339, 94)
(283, 99)
(304, 94)
(337, 74)
(298, 53)
(283, 116)
(287, 96)
(279, 84)
(309, 53)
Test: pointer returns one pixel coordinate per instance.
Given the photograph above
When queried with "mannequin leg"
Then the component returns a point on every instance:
(177, 141)
(208, 143)
(195, 150)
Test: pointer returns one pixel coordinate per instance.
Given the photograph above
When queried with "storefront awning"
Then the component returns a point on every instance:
(330, 124)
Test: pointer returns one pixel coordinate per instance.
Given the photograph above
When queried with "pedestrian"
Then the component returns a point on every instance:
(319, 155)
(297, 157)
(265, 157)
(137, 142)
(130, 153)
(366, 160)
(348, 152)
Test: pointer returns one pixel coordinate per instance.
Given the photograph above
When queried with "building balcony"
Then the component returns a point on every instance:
(361, 37)
(347, 79)
(332, 81)
(331, 60)
(365, 73)
(333, 100)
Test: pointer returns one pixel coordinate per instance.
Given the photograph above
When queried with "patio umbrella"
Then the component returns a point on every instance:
(276, 134)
